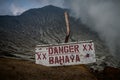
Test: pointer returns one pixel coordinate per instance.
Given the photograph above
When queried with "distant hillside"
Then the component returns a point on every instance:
(20, 34)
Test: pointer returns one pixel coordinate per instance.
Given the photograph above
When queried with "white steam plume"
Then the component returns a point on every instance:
(16, 10)
(102, 16)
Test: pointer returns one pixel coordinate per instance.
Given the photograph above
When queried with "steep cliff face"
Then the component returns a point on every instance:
(20, 34)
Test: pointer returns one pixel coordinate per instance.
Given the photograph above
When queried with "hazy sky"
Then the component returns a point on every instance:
(15, 7)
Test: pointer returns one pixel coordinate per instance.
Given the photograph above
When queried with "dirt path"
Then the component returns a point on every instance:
(13, 69)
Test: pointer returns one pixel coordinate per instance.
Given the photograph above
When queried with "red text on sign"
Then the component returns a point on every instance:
(63, 49)
(41, 56)
(64, 59)
(87, 47)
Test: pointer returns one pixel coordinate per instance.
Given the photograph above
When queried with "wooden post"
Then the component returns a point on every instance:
(68, 27)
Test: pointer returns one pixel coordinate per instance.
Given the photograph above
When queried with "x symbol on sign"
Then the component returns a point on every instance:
(44, 56)
(90, 47)
(38, 56)
(84, 47)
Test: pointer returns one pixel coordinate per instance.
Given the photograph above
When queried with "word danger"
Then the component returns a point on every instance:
(64, 59)
(63, 49)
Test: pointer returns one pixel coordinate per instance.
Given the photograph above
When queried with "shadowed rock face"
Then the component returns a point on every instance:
(109, 73)
(112, 73)
(20, 34)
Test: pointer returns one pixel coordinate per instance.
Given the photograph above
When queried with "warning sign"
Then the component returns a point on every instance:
(65, 54)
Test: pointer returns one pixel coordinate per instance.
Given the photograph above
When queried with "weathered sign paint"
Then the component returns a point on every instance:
(65, 54)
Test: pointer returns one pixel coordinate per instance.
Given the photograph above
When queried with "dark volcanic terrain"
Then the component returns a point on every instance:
(20, 34)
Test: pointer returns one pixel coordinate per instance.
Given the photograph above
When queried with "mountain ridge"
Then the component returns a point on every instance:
(20, 34)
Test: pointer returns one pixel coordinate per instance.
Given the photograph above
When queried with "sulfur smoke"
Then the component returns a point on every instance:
(102, 16)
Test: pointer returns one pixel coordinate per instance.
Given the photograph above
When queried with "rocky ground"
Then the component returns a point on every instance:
(16, 69)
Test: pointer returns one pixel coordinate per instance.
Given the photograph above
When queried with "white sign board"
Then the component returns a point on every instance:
(65, 54)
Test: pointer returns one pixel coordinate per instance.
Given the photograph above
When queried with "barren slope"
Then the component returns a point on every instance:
(13, 69)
